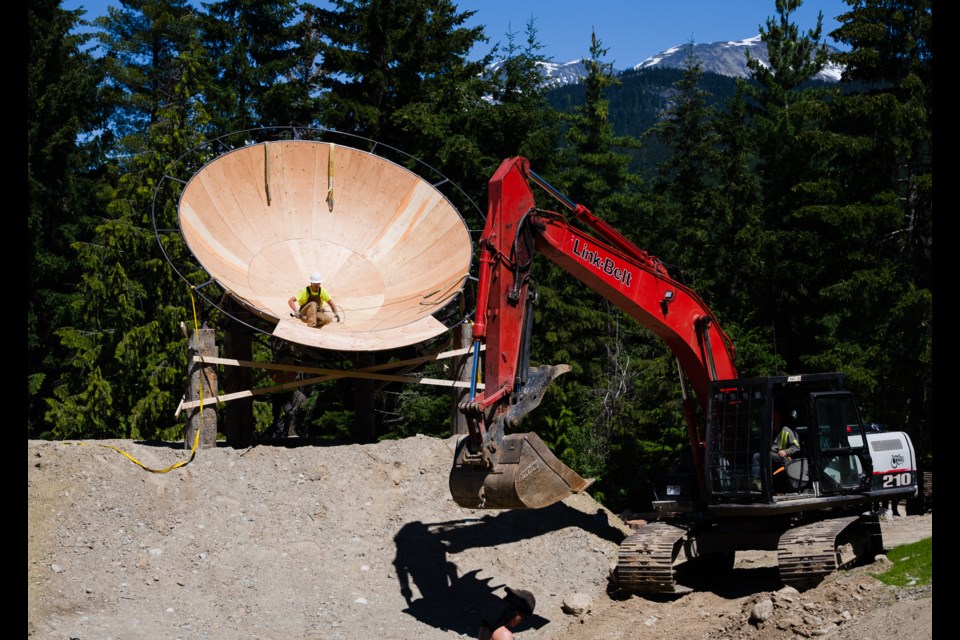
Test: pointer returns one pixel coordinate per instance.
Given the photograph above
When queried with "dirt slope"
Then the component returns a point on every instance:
(363, 541)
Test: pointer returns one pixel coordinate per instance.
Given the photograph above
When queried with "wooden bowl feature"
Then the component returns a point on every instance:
(392, 249)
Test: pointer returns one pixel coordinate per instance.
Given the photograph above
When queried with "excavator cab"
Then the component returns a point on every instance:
(746, 414)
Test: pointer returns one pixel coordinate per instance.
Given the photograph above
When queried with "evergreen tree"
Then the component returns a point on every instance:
(521, 122)
(707, 202)
(377, 57)
(128, 356)
(881, 321)
(140, 40)
(596, 165)
(689, 214)
(734, 251)
(64, 164)
(847, 186)
(796, 244)
(260, 62)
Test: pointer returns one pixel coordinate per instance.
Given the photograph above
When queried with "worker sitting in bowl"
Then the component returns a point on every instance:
(307, 304)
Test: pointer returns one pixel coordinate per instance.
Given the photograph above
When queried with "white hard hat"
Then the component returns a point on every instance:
(316, 278)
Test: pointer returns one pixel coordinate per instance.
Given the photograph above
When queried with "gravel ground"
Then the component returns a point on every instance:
(304, 541)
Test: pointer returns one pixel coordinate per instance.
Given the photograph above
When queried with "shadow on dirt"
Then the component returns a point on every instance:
(730, 584)
(454, 602)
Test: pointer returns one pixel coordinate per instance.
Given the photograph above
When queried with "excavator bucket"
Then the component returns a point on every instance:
(526, 475)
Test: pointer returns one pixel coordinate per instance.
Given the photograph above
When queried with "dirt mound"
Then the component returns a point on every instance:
(301, 540)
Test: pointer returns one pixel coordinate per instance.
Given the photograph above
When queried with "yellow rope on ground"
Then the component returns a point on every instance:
(182, 463)
(196, 436)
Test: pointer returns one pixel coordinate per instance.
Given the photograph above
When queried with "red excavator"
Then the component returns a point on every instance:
(725, 496)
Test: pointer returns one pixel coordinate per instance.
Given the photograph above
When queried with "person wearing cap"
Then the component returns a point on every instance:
(517, 605)
(307, 304)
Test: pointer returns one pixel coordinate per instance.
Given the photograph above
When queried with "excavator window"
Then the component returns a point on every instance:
(842, 445)
(734, 434)
(839, 424)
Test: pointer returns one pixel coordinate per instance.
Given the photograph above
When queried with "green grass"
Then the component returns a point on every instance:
(912, 565)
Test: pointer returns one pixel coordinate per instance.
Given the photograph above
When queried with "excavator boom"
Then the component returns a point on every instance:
(725, 495)
(496, 470)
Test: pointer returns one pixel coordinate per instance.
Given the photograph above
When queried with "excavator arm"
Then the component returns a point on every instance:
(495, 470)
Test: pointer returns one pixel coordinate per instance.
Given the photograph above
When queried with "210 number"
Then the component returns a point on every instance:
(891, 480)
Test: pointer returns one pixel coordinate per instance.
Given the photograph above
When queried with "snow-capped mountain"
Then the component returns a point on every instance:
(558, 74)
(728, 58)
(723, 58)
(555, 74)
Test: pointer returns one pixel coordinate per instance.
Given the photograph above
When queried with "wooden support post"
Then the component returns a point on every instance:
(364, 417)
(238, 415)
(462, 370)
(203, 387)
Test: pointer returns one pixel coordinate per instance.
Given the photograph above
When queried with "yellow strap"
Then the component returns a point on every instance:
(266, 170)
(196, 436)
(330, 179)
(182, 463)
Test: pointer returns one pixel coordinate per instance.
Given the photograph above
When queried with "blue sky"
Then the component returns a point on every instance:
(630, 30)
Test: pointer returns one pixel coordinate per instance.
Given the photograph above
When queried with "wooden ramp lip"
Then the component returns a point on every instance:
(338, 336)
(392, 249)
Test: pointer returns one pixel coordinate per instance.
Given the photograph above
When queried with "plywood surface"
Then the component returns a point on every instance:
(392, 249)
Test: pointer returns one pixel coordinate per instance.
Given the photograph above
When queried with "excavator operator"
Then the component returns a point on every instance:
(785, 445)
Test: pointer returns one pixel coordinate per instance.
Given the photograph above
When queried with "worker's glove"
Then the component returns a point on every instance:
(296, 314)
(337, 316)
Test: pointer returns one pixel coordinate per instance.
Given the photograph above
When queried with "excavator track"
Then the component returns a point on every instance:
(809, 553)
(646, 557)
